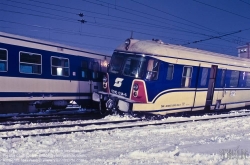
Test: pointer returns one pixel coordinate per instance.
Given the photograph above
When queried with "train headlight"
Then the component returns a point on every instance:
(136, 87)
(105, 79)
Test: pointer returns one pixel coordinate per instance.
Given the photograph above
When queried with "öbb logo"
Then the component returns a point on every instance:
(118, 82)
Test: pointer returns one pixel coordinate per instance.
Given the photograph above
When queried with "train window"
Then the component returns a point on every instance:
(85, 64)
(234, 79)
(3, 60)
(247, 79)
(204, 75)
(116, 63)
(152, 69)
(223, 73)
(60, 66)
(30, 63)
(242, 79)
(84, 69)
(134, 67)
(96, 68)
(186, 76)
(170, 72)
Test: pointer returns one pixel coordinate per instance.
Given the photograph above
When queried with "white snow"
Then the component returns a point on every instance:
(220, 141)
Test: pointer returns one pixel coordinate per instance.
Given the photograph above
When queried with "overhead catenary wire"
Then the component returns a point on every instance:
(245, 2)
(63, 30)
(153, 17)
(126, 12)
(67, 18)
(177, 17)
(107, 26)
(73, 21)
(242, 16)
(132, 21)
(213, 37)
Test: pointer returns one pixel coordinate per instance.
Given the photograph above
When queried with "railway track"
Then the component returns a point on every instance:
(23, 120)
(102, 126)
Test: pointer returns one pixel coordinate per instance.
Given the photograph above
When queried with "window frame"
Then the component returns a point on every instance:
(5, 60)
(58, 66)
(29, 63)
(186, 76)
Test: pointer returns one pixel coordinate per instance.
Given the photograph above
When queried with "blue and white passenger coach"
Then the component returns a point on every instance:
(39, 74)
(158, 78)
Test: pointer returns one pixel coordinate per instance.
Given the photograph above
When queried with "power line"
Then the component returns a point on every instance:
(213, 37)
(147, 14)
(173, 15)
(63, 30)
(67, 41)
(116, 9)
(222, 9)
(67, 18)
(245, 2)
(102, 25)
(176, 17)
(140, 12)
(152, 25)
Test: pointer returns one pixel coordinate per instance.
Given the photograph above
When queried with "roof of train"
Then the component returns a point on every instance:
(47, 43)
(158, 48)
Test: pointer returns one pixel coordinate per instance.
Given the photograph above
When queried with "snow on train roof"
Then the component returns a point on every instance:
(47, 43)
(158, 48)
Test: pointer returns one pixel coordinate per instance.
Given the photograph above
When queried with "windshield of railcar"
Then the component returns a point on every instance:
(128, 65)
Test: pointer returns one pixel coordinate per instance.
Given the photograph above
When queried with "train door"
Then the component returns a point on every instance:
(84, 83)
(211, 84)
(95, 76)
(222, 84)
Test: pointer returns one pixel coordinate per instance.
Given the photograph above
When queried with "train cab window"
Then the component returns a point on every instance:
(116, 63)
(59, 66)
(3, 60)
(152, 69)
(186, 76)
(204, 75)
(30, 63)
(133, 66)
(234, 78)
(170, 72)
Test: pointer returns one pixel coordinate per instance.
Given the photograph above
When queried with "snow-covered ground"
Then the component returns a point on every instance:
(220, 141)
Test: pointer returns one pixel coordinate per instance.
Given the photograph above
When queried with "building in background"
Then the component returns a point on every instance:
(243, 51)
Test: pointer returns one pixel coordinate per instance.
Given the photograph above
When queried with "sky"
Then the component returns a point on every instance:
(214, 25)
